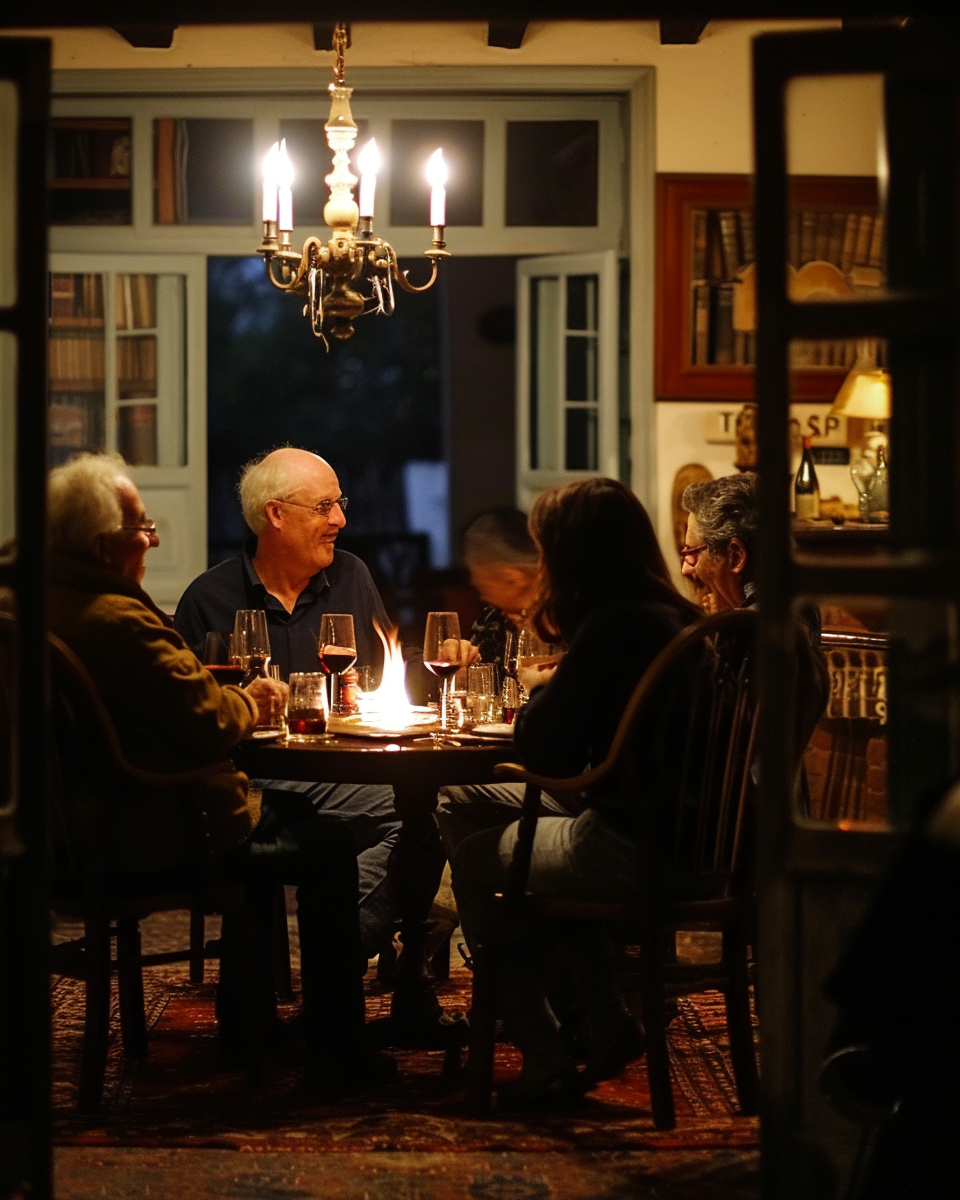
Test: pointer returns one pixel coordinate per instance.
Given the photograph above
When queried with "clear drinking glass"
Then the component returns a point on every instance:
(337, 648)
(482, 693)
(442, 654)
(307, 706)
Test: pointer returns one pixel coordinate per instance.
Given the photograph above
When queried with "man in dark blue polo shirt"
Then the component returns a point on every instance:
(290, 568)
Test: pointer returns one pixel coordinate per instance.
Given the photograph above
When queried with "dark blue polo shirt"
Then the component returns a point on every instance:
(210, 604)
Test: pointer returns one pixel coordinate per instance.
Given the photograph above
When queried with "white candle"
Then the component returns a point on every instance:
(270, 183)
(437, 177)
(368, 164)
(285, 182)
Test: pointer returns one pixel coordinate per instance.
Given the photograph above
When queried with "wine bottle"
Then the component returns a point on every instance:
(878, 501)
(806, 488)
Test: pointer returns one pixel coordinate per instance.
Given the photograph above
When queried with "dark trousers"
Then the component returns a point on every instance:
(292, 844)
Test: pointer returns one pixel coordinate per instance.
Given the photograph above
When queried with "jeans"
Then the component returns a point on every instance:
(578, 857)
(290, 845)
(368, 812)
(462, 811)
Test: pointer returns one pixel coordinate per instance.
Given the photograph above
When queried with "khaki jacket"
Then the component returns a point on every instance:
(170, 714)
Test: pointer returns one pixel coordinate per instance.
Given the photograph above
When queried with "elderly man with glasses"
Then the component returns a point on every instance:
(291, 569)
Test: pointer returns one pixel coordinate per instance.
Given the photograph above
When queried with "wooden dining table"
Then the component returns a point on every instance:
(416, 770)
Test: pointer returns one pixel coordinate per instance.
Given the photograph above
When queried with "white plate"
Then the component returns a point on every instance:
(266, 735)
(492, 730)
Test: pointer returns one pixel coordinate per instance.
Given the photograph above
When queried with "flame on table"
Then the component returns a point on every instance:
(389, 705)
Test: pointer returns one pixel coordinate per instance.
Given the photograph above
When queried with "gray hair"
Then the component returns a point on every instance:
(725, 508)
(82, 501)
(261, 481)
(499, 536)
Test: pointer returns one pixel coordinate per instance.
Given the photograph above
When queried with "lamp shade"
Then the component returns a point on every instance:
(864, 393)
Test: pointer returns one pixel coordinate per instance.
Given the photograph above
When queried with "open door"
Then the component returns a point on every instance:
(568, 321)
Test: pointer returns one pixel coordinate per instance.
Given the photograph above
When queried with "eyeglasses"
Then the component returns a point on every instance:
(690, 554)
(146, 526)
(321, 509)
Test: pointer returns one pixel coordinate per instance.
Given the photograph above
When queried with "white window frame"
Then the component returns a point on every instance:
(605, 265)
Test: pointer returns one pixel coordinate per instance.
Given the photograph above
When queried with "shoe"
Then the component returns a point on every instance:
(613, 1055)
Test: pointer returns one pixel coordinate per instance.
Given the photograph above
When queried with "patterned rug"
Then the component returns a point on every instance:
(184, 1095)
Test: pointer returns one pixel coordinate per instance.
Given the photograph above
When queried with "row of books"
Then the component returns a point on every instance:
(88, 154)
(76, 358)
(170, 147)
(135, 298)
(77, 297)
(137, 366)
(723, 243)
(75, 423)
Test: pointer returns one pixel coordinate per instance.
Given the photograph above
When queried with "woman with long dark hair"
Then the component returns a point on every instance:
(605, 593)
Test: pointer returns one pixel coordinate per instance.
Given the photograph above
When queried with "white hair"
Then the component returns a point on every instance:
(263, 480)
(82, 501)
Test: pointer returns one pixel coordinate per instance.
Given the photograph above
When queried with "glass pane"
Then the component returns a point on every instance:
(581, 439)
(136, 367)
(412, 143)
(312, 160)
(582, 301)
(137, 434)
(552, 172)
(135, 301)
(203, 171)
(76, 366)
(89, 171)
(8, 433)
(544, 374)
(581, 369)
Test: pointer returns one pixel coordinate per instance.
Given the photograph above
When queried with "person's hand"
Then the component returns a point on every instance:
(461, 652)
(538, 674)
(468, 652)
(268, 693)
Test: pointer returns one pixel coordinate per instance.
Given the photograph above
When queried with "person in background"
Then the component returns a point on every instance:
(606, 593)
(718, 552)
(290, 567)
(502, 561)
(171, 714)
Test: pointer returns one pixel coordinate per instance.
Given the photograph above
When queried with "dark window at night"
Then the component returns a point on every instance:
(412, 143)
(312, 161)
(552, 172)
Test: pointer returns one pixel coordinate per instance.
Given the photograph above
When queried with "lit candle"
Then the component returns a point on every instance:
(285, 182)
(437, 177)
(270, 183)
(368, 164)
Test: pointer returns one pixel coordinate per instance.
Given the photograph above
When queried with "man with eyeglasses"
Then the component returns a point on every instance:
(291, 569)
(717, 552)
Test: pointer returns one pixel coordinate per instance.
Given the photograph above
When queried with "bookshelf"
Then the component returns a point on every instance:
(88, 171)
(116, 366)
(705, 282)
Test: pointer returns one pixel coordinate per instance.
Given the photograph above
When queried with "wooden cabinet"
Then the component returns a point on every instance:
(705, 286)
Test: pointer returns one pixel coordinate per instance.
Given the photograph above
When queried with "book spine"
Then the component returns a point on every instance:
(698, 261)
(838, 226)
(729, 243)
(793, 238)
(723, 325)
(164, 171)
(821, 248)
(862, 250)
(848, 252)
(808, 236)
(745, 216)
(875, 256)
(701, 324)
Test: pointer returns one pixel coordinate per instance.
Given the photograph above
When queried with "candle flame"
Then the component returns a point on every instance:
(284, 166)
(270, 163)
(368, 160)
(436, 169)
(389, 705)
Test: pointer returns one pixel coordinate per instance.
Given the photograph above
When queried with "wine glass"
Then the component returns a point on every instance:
(337, 648)
(442, 654)
(251, 642)
(532, 650)
(220, 659)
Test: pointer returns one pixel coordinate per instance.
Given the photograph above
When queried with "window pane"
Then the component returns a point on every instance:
(581, 369)
(312, 161)
(204, 172)
(136, 367)
(552, 172)
(581, 439)
(89, 165)
(544, 376)
(137, 434)
(76, 366)
(412, 143)
(582, 302)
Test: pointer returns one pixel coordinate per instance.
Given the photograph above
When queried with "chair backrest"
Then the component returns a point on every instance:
(86, 768)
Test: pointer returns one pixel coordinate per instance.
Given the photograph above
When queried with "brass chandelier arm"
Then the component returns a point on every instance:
(403, 277)
(297, 264)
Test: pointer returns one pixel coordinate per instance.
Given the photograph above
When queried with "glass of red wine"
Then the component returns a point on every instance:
(218, 658)
(337, 648)
(443, 655)
(307, 706)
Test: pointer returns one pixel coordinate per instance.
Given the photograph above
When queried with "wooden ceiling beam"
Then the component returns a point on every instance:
(681, 31)
(508, 34)
(153, 37)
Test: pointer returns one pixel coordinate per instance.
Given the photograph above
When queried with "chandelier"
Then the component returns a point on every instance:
(352, 273)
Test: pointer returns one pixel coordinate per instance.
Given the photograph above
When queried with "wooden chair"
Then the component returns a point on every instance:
(700, 877)
(88, 773)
